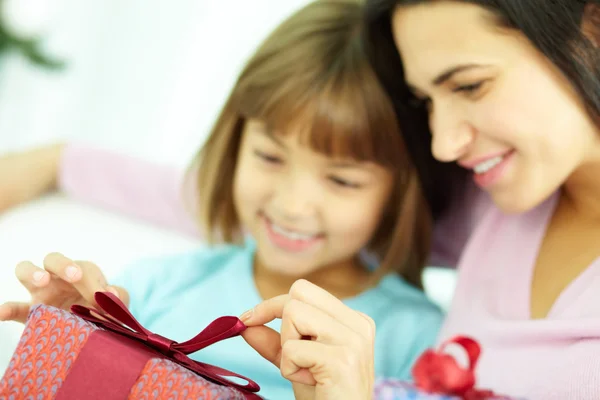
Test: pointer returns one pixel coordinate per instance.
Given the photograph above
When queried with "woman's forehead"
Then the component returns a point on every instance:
(438, 36)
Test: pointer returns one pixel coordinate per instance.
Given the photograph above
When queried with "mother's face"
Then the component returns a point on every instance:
(497, 106)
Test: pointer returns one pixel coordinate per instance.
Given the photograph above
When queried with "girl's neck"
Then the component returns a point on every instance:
(342, 280)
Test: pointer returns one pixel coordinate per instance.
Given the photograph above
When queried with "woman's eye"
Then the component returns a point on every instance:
(468, 89)
(271, 159)
(344, 183)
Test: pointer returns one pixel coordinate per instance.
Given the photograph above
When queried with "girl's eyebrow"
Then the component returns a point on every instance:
(269, 133)
(349, 164)
(341, 164)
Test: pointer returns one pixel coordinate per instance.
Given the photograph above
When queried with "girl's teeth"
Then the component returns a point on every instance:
(290, 234)
(487, 165)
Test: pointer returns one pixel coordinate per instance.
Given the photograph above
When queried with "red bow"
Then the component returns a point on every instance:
(117, 318)
(438, 372)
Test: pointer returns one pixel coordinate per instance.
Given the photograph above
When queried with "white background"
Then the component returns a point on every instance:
(143, 76)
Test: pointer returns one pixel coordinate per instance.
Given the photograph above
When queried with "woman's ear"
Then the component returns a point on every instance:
(591, 22)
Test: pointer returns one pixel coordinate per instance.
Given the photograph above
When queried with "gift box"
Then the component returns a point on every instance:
(106, 354)
(438, 376)
(391, 389)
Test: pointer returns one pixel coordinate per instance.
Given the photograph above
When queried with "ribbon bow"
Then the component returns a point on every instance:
(116, 318)
(439, 372)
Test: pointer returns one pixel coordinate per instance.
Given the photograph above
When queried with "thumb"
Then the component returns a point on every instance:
(14, 311)
(266, 342)
(121, 293)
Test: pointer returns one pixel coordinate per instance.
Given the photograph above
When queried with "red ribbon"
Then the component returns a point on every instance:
(116, 318)
(439, 372)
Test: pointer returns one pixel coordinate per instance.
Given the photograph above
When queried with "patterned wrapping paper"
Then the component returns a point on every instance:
(62, 356)
(391, 389)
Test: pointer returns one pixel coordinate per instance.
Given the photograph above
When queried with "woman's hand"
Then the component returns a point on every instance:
(325, 348)
(61, 283)
(27, 175)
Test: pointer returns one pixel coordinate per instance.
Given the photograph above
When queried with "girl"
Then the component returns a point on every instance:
(512, 92)
(306, 157)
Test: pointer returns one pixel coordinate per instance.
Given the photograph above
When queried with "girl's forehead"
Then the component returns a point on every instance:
(345, 117)
(331, 143)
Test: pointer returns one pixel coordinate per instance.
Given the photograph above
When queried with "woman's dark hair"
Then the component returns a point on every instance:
(556, 28)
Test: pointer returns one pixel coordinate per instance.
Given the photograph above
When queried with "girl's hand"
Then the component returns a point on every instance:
(61, 283)
(325, 348)
(27, 175)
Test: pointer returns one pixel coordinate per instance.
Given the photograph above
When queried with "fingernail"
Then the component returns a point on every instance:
(38, 276)
(72, 272)
(113, 291)
(245, 317)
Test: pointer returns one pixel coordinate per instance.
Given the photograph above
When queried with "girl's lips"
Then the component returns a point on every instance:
(292, 245)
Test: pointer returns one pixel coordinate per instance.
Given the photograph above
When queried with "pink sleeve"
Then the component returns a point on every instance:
(451, 233)
(127, 185)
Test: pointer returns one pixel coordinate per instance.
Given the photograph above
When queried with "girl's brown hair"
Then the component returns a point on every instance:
(313, 70)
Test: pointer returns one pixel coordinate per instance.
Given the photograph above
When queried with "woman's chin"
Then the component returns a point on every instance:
(518, 201)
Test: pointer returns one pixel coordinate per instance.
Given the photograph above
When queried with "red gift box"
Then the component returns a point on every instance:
(78, 355)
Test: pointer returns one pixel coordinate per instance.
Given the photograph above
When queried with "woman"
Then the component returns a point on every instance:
(511, 90)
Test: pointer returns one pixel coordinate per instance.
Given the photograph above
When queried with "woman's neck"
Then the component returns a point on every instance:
(343, 280)
(581, 191)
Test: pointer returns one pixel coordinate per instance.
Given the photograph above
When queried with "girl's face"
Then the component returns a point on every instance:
(497, 106)
(305, 211)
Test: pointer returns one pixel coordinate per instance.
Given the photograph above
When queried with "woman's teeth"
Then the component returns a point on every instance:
(291, 234)
(487, 164)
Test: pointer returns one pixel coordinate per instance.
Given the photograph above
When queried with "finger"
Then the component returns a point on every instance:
(85, 276)
(308, 362)
(121, 293)
(14, 311)
(31, 276)
(265, 341)
(265, 312)
(312, 294)
(92, 281)
(300, 320)
(63, 267)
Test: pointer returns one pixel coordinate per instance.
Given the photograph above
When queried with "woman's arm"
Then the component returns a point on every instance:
(125, 184)
(27, 175)
(128, 185)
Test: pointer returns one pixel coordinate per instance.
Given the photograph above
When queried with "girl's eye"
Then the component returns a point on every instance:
(271, 159)
(344, 183)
